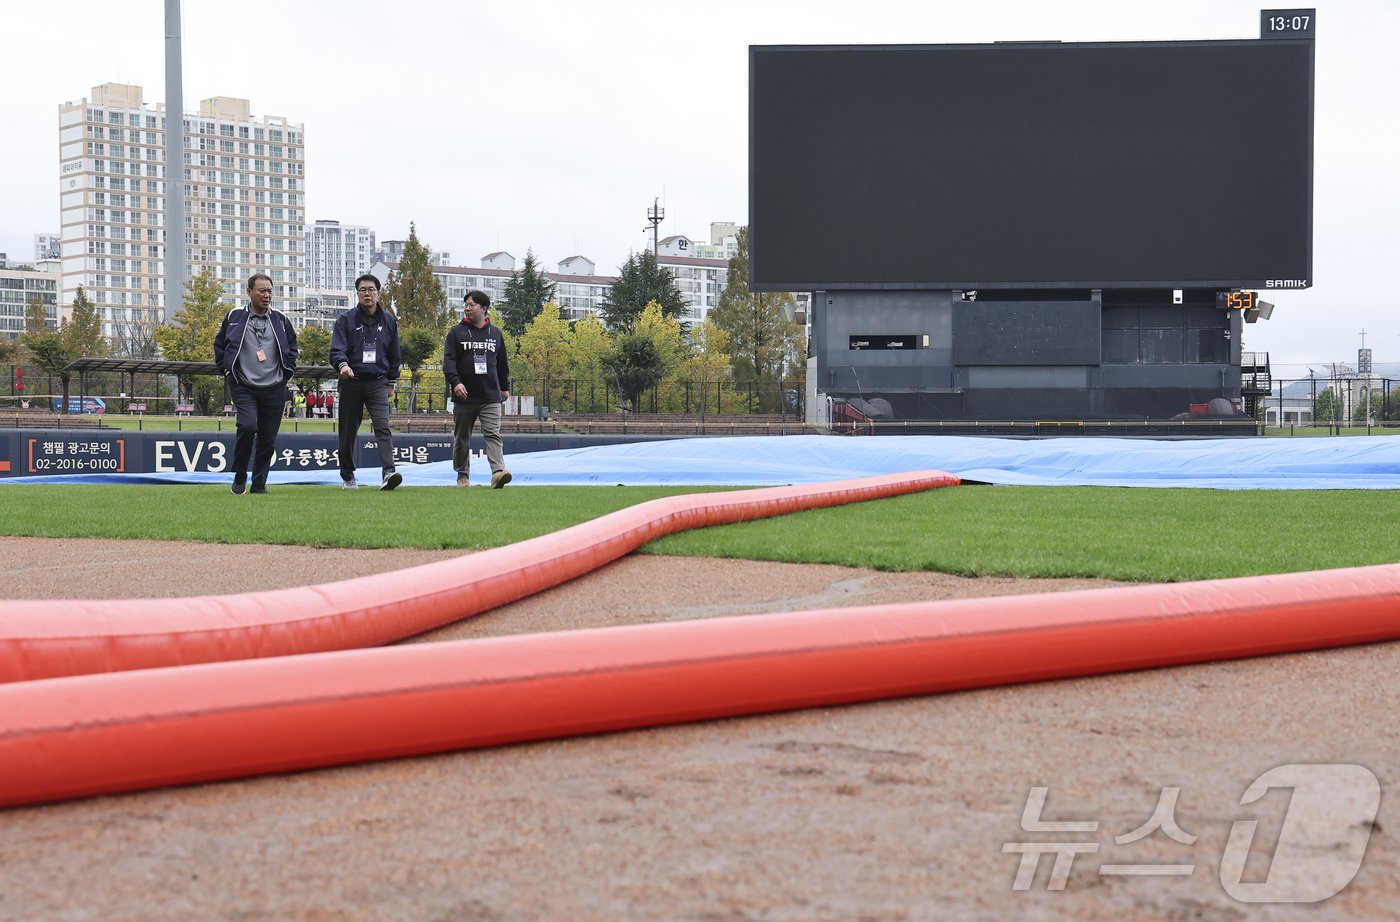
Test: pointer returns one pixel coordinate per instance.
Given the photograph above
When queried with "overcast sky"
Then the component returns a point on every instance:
(552, 126)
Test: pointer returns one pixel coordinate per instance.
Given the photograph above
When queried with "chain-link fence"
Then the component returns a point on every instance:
(1344, 402)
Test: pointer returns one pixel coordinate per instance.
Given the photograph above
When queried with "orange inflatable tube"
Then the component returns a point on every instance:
(46, 639)
(102, 734)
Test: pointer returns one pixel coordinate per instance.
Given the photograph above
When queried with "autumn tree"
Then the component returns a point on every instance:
(413, 294)
(590, 344)
(84, 329)
(544, 347)
(640, 281)
(525, 294)
(36, 318)
(708, 362)
(760, 333)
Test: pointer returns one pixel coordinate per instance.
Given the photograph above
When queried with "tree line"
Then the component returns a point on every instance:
(638, 342)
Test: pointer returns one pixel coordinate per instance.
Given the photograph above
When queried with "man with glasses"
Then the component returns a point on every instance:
(365, 350)
(256, 349)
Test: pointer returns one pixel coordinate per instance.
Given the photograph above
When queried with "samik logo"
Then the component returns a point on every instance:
(1286, 283)
(1323, 839)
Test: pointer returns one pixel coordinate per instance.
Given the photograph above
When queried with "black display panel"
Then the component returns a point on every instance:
(1027, 333)
(1164, 165)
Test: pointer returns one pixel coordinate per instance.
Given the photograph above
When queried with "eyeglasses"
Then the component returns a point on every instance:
(366, 290)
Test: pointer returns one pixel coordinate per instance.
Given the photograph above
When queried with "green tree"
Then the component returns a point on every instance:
(590, 344)
(637, 365)
(526, 293)
(413, 293)
(313, 348)
(760, 334)
(1374, 403)
(640, 281)
(1325, 407)
(84, 329)
(52, 354)
(416, 346)
(52, 350)
(191, 337)
(544, 347)
(9, 351)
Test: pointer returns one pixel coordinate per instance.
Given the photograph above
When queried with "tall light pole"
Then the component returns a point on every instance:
(174, 164)
(655, 214)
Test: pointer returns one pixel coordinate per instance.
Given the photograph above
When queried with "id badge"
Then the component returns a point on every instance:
(367, 356)
(262, 356)
(480, 366)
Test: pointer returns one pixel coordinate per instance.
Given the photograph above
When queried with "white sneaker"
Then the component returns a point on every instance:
(351, 484)
(391, 480)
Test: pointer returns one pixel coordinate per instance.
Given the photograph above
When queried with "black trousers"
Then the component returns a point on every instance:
(356, 396)
(259, 418)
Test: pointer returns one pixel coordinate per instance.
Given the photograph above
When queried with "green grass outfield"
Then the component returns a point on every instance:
(1114, 533)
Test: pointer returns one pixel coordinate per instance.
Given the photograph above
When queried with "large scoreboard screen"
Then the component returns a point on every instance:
(1035, 165)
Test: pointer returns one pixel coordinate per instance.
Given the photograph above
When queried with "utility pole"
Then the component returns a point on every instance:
(174, 164)
(655, 214)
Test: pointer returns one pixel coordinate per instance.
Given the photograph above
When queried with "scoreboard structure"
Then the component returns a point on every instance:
(1033, 230)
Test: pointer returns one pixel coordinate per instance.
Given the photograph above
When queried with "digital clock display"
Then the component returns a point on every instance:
(1237, 300)
(1287, 23)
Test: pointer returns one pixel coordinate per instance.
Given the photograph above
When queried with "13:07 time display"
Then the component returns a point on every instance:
(1287, 23)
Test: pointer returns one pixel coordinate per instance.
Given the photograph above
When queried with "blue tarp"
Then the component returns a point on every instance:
(1353, 463)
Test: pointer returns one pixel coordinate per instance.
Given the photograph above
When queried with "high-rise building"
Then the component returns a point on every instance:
(336, 254)
(46, 246)
(245, 200)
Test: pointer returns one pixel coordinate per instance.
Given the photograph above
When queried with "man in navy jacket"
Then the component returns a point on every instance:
(256, 349)
(365, 351)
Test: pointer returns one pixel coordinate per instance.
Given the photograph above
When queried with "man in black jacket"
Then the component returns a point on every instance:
(477, 369)
(365, 350)
(256, 349)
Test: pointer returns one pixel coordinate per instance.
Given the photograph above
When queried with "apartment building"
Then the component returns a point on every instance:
(336, 254)
(701, 279)
(456, 281)
(578, 290)
(46, 246)
(391, 251)
(244, 184)
(18, 287)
